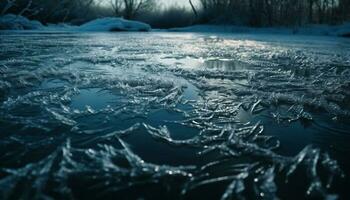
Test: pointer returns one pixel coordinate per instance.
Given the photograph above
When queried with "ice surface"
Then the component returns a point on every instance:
(166, 115)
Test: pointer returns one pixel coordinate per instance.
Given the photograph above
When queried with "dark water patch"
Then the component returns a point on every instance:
(346, 35)
(166, 154)
(53, 84)
(190, 92)
(94, 98)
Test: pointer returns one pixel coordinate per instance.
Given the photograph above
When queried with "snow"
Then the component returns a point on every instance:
(318, 30)
(114, 24)
(15, 22)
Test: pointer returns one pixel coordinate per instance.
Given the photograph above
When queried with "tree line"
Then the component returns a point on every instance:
(275, 12)
(240, 12)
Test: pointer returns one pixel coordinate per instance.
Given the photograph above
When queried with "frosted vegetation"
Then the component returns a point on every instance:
(163, 115)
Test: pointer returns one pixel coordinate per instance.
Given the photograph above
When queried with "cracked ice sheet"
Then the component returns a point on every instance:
(161, 114)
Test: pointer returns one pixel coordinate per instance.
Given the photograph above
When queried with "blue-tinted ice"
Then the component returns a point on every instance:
(171, 116)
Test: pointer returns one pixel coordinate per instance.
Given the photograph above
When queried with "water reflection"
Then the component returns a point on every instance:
(96, 98)
(225, 65)
(205, 64)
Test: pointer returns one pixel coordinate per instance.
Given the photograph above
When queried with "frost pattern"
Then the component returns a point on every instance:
(75, 110)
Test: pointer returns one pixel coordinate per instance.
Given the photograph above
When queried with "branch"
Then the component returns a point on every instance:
(193, 8)
(27, 8)
(138, 7)
(117, 6)
(10, 4)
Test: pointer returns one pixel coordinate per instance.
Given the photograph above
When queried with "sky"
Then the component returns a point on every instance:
(174, 2)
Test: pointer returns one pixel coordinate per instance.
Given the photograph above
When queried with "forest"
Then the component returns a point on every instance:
(255, 13)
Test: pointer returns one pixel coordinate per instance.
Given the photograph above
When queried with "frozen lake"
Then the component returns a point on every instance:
(173, 115)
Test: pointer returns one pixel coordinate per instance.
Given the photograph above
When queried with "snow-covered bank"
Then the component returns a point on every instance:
(14, 22)
(339, 30)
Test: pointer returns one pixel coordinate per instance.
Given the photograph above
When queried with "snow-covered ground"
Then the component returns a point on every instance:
(337, 30)
(109, 24)
(15, 22)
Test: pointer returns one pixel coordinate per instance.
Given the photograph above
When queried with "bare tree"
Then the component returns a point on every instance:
(65, 10)
(133, 7)
(130, 8)
(9, 4)
(29, 9)
(117, 6)
(248, 12)
(193, 8)
(277, 12)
